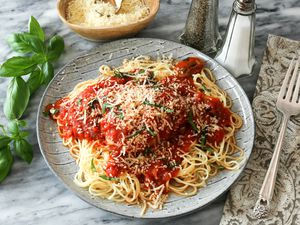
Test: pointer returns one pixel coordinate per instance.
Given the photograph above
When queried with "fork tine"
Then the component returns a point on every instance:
(297, 87)
(286, 79)
(292, 82)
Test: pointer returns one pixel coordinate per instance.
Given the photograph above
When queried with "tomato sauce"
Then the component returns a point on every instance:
(83, 118)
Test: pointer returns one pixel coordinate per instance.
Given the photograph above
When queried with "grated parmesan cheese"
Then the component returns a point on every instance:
(96, 13)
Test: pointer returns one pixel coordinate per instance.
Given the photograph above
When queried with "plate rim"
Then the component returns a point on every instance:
(144, 217)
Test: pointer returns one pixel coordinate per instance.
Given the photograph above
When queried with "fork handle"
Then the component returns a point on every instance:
(266, 192)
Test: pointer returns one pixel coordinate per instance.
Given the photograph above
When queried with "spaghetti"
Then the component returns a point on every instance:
(148, 128)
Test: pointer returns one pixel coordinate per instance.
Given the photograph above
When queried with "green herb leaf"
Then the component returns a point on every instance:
(79, 101)
(53, 111)
(17, 66)
(106, 106)
(151, 132)
(147, 151)
(108, 178)
(55, 48)
(36, 45)
(17, 43)
(13, 127)
(220, 167)
(23, 149)
(93, 102)
(146, 102)
(6, 162)
(39, 58)
(141, 71)
(34, 28)
(203, 137)
(35, 80)
(207, 148)
(191, 122)
(48, 72)
(4, 141)
(17, 98)
(171, 164)
(93, 168)
(119, 74)
(136, 133)
(46, 113)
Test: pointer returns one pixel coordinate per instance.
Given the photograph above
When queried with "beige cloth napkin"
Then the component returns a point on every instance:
(285, 205)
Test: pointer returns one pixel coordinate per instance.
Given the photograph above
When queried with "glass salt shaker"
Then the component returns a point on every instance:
(237, 51)
(202, 29)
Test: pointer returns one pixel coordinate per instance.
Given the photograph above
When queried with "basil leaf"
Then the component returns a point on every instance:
(35, 80)
(166, 109)
(36, 44)
(4, 141)
(6, 162)
(34, 28)
(191, 122)
(17, 43)
(147, 151)
(24, 150)
(151, 132)
(39, 58)
(108, 178)
(93, 168)
(203, 137)
(48, 72)
(13, 127)
(17, 66)
(55, 48)
(25, 43)
(17, 98)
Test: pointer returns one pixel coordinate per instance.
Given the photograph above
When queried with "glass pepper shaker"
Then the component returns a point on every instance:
(237, 51)
(202, 29)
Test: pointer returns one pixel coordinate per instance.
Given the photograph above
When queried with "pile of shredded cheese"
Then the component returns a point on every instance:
(96, 13)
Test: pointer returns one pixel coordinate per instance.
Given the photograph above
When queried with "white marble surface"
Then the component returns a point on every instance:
(32, 194)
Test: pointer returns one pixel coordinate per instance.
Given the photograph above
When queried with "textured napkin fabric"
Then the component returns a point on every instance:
(285, 205)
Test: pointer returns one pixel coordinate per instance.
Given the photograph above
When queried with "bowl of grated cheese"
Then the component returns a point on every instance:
(98, 20)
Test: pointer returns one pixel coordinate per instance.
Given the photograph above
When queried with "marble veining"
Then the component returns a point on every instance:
(32, 194)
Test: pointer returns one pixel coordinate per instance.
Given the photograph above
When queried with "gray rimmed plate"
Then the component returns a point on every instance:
(86, 67)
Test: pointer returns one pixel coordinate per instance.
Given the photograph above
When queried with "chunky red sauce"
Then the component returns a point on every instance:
(91, 116)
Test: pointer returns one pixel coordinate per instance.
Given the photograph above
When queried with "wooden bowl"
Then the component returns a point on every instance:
(112, 32)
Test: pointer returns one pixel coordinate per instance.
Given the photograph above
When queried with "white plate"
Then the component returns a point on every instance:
(86, 67)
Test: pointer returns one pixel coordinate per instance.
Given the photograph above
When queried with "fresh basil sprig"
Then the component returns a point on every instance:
(37, 66)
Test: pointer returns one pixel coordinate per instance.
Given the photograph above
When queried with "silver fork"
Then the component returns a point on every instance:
(289, 104)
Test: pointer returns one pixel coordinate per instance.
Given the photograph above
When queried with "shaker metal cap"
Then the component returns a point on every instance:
(244, 7)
